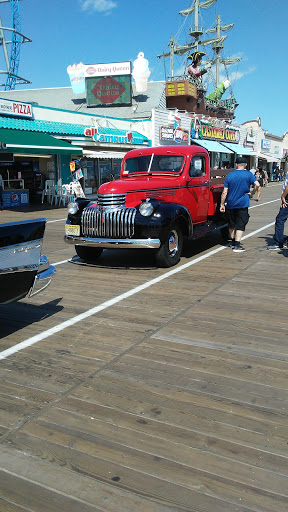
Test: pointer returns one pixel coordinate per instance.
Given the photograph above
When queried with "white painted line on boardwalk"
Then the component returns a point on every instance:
(262, 204)
(93, 311)
(60, 262)
(57, 220)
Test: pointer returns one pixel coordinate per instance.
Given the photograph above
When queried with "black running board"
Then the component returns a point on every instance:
(206, 228)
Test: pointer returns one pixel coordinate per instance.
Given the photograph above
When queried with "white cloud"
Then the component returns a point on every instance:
(104, 6)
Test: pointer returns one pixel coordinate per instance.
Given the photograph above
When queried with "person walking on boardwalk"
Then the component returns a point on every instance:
(235, 200)
(281, 219)
(259, 175)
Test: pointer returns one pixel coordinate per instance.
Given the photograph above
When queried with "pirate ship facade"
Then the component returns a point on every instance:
(187, 92)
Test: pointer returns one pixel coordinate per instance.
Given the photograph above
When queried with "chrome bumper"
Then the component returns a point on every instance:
(43, 277)
(111, 243)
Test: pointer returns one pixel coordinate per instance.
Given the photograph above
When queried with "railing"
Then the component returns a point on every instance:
(218, 175)
(11, 182)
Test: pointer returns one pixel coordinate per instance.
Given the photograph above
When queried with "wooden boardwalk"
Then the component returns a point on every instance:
(171, 399)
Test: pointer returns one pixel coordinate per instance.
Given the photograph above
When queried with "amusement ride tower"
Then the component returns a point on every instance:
(11, 47)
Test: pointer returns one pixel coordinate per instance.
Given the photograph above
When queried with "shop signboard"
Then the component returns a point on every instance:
(15, 198)
(266, 144)
(115, 138)
(173, 134)
(16, 108)
(110, 69)
(108, 90)
(214, 130)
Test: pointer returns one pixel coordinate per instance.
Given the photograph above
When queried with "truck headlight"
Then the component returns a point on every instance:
(146, 209)
(72, 208)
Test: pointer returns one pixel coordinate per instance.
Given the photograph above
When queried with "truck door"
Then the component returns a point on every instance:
(198, 188)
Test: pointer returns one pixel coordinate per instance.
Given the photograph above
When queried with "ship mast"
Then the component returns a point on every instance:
(196, 32)
(218, 46)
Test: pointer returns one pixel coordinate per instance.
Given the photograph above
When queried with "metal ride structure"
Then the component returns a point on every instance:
(12, 60)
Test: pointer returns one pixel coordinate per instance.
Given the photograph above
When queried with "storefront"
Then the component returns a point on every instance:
(25, 160)
(221, 141)
(28, 155)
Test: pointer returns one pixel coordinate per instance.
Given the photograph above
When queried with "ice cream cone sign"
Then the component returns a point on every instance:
(129, 136)
(141, 72)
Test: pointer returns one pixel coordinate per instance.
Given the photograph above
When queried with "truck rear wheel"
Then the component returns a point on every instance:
(88, 253)
(170, 251)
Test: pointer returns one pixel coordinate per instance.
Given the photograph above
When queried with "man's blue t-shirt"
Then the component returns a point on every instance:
(238, 183)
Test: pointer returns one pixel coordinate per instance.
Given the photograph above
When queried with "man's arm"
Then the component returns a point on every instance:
(256, 185)
(223, 197)
(284, 203)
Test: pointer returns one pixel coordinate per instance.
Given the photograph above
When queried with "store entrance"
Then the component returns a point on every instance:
(23, 174)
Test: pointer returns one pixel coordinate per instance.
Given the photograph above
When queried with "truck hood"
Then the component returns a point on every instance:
(139, 184)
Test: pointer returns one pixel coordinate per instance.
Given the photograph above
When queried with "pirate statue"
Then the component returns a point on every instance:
(194, 70)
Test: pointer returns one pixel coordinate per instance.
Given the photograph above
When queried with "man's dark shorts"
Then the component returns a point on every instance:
(238, 218)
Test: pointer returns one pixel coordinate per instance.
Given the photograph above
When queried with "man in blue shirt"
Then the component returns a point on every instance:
(235, 200)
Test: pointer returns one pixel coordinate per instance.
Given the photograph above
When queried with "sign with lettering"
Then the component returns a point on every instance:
(108, 90)
(114, 68)
(265, 144)
(115, 138)
(15, 108)
(205, 130)
(173, 134)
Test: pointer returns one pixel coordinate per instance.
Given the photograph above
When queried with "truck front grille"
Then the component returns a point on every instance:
(111, 200)
(116, 223)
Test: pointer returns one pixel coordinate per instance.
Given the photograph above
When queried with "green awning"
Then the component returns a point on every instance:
(20, 141)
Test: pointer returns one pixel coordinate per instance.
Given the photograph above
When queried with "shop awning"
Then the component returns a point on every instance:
(269, 158)
(237, 148)
(212, 145)
(103, 154)
(24, 142)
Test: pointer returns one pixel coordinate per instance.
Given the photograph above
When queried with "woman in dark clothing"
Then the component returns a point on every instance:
(259, 175)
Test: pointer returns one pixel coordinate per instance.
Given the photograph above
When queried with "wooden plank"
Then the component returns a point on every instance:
(147, 474)
(6, 506)
(106, 497)
(184, 435)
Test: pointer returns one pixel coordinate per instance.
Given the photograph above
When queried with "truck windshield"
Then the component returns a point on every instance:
(161, 164)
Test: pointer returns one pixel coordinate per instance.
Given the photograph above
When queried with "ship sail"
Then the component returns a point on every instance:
(224, 28)
(229, 61)
(212, 41)
(203, 5)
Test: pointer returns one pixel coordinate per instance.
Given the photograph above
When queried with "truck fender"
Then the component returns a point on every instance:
(173, 212)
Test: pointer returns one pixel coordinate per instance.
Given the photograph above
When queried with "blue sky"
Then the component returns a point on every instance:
(99, 31)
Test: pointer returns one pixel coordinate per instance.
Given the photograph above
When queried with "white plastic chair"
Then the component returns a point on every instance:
(63, 194)
(48, 191)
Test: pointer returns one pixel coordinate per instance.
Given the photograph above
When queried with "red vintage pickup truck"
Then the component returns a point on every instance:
(164, 194)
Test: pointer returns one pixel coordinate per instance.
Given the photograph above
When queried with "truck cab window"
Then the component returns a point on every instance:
(197, 167)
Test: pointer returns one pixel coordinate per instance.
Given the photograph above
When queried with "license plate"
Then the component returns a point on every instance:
(70, 229)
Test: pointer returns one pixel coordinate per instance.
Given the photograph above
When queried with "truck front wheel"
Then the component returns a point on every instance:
(88, 253)
(170, 251)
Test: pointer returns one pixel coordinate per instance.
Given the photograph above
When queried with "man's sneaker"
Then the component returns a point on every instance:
(239, 248)
(274, 247)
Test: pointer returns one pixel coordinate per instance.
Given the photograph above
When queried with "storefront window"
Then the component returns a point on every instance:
(90, 170)
(105, 171)
(116, 167)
